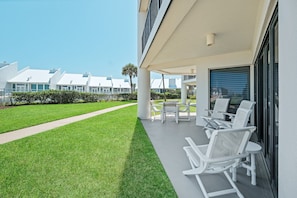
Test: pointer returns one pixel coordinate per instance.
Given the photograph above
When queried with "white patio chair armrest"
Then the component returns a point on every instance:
(206, 117)
(223, 159)
(209, 111)
(195, 149)
(211, 160)
(158, 105)
(223, 124)
(230, 115)
(180, 105)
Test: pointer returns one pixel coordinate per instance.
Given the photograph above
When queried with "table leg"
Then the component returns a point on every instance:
(248, 160)
(253, 168)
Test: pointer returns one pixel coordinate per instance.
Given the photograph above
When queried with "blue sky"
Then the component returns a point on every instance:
(78, 36)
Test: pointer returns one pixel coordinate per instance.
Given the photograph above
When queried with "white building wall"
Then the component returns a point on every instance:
(55, 78)
(202, 90)
(287, 98)
(7, 72)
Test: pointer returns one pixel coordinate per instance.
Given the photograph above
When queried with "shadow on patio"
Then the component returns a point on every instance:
(168, 140)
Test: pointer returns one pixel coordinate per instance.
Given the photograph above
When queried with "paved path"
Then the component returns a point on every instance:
(25, 132)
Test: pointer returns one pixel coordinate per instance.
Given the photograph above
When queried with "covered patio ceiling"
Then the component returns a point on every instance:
(180, 43)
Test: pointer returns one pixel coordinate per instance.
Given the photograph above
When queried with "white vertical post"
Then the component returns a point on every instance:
(143, 94)
(202, 93)
(183, 91)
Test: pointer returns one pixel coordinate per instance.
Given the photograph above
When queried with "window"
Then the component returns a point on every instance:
(233, 83)
(20, 87)
(33, 87)
(79, 88)
(40, 87)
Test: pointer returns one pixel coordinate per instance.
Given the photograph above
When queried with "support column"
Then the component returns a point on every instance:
(143, 94)
(183, 91)
(252, 91)
(202, 93)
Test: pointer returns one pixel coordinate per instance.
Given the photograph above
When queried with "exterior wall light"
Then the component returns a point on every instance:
(210, 39)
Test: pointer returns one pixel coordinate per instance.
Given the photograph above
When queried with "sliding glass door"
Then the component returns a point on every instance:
(266, 73)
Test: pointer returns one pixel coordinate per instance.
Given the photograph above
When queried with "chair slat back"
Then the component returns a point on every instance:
(221, 105)
(229, 142)
(241, 118)
(169, 106)
(246, 104)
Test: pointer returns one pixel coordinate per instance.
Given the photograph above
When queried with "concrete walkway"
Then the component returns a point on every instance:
(25, 132)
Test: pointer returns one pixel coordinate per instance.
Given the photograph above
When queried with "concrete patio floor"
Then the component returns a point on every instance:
(168, 140)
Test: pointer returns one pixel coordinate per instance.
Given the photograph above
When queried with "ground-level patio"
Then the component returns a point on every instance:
(168, 140)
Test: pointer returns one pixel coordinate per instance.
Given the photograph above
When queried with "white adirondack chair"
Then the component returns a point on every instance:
(220, 106)
(224, 152)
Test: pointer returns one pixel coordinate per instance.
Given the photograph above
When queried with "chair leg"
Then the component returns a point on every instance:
(206, 194)
(195, 171)
(201, 186)
(233, 185)
(234, 173)
(192, 172)
(153, 116)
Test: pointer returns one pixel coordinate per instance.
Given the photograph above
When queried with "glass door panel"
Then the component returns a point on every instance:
(267, 98)
(276, 102)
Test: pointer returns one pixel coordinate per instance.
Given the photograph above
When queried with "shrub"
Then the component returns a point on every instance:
(127, 96)
(65, 97)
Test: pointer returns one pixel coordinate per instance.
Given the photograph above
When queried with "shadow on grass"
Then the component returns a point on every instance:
(144, 175)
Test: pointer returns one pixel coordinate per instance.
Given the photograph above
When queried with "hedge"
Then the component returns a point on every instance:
(64, 97)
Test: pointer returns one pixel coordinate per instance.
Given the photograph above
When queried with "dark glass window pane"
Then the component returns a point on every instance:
(40, 87)
(33, 87)
(233, 83)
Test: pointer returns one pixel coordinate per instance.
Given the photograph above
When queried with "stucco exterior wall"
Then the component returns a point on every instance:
(7, 72)
(54, 80)
(287, 99)
(202, 94)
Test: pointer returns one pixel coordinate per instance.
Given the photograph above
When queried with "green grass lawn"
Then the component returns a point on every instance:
(29, 115)
(109, 155)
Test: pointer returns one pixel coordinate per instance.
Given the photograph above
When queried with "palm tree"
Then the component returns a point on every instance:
(131, 71)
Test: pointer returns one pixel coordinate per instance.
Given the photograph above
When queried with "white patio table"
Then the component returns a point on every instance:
(170, 107)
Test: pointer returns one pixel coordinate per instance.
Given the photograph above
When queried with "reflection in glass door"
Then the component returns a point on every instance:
(266, 68)
(275, 95)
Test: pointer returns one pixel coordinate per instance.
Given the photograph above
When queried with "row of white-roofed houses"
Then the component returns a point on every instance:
(34, 80)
